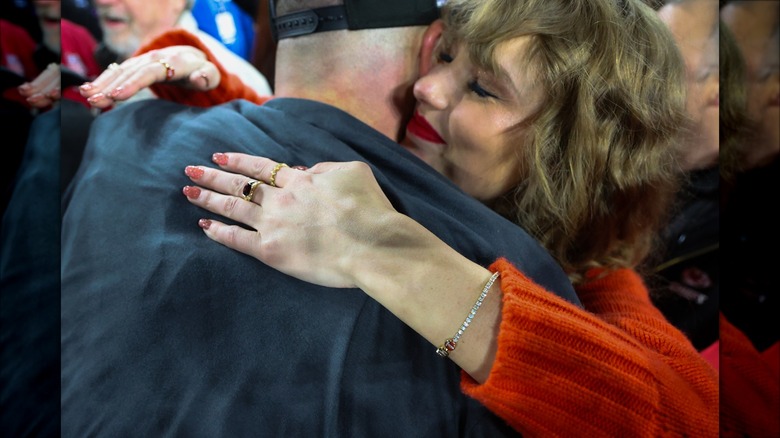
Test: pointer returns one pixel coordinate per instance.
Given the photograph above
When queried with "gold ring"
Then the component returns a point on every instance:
(114, 66)
(249, 190)
(169, 71)
(273, 174)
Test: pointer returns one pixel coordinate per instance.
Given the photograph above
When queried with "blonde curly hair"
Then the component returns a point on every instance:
(600, 157)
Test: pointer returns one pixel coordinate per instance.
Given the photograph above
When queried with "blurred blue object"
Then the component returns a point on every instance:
(228, 23)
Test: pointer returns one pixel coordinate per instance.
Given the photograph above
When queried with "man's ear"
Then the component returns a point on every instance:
(428, 48)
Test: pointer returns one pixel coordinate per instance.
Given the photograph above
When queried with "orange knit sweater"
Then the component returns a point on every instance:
(750, 400)
(616, 369)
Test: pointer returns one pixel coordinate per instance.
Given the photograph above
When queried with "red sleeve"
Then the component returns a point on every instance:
(616, 369)
(230, 86)
(750, 399)
(78, 49)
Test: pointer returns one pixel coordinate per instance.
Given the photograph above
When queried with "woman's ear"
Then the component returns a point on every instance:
(428, 49)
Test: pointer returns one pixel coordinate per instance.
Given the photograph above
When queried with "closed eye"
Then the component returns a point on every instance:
(479, 91)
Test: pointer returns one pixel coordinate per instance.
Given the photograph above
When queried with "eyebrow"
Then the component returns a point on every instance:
(506, 79)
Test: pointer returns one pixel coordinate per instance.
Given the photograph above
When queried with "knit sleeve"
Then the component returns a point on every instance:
(615, 369)
(750, 399)
(230, 86)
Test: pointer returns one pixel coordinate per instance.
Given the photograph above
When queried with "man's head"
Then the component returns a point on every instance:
(366, 67)
(127, 24)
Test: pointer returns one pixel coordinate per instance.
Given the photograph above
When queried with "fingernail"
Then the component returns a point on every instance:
(191, 192)
(193, 172)
(35, 97)
(220, 158)
(115, 92)
(24, 87)
(204, 223)
(299, 167)
(55, 92)
(86, 86)
(96, 98)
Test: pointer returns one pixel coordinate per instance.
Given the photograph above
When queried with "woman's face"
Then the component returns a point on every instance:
(466, 123)
(694, 24)
(756, 27)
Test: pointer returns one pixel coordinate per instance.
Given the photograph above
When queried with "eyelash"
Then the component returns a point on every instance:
(474, 84)
(479, 91)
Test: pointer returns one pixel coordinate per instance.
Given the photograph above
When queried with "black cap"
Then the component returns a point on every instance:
(354, 15)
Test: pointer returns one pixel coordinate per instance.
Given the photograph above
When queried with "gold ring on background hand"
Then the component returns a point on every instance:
(273, 174)
(249, 190)
(169, 71)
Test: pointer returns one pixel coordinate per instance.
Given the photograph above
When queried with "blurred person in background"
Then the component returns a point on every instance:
(750, 350)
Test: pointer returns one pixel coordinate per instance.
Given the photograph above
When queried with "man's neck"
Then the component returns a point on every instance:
(368, 102)
(375, 89)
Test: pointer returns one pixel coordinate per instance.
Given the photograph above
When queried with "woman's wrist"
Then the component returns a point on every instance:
(432, 289)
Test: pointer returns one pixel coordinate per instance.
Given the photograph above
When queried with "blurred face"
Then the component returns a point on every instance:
(466, 123)
(694, 24)
(756, 27)
(127, 24)
(49, 14)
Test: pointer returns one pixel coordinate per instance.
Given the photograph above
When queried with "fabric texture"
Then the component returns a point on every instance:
(627, 371)
(227, 22)
(750, 398)
(165, 332)
(30, 289)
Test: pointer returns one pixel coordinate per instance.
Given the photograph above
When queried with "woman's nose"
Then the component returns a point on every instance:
(433, 89)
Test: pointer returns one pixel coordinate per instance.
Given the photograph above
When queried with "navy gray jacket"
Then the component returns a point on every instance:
(166, 333)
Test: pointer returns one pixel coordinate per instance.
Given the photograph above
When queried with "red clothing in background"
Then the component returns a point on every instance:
(16, 55)
(750, 396)
(78, 49)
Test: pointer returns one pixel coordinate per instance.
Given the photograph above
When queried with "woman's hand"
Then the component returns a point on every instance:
(184, 65)
(317, 224)
(332, 225)
(45, 89)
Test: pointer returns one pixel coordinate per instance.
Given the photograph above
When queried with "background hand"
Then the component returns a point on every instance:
(45, 89)
(120, 82)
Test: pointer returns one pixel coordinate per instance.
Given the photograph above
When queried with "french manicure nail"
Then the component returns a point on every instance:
(193, 172)
(96, 98)
(86, 86)
(191, 192)
(115, 92)
(220, 158)
(24, 87)
(204, 223)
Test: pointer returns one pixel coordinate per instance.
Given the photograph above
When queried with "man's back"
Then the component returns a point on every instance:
(165, 332)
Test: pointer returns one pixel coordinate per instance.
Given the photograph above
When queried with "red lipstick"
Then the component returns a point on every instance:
(420, 127)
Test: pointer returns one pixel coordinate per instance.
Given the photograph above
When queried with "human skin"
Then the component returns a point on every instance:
(466, 125)
(694, 24)
(49, 13)
(127, 24)
(756, 28)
